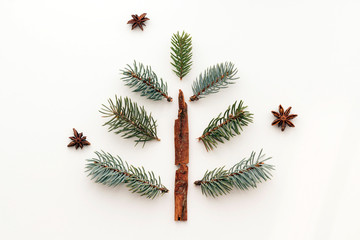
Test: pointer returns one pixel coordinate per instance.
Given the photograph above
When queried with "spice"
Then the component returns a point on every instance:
(138, 21)
(283, 118)
(78, 140)
(181, 160)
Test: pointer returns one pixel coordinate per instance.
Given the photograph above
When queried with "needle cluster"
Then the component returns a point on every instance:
(112, 171)
(243, 175)
(226, 125)
(130, 120)
(181, 54)
(144, 80)
(213, 79)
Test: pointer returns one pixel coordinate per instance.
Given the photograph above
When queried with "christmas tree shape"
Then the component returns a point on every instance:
(132, 121)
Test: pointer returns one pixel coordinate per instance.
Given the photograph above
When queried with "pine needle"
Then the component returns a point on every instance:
(244, 175)
(130, 120)
(226, 125)
(213, 79)
(142, 79)
(181, 54)
(112, 171)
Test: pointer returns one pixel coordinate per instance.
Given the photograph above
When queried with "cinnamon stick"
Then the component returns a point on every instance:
(181, 159)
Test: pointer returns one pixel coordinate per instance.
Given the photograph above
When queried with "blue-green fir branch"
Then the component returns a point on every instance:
(142, 79)
(181, 54)
(130, 120)
(213, 79)
(226, 125)
(243, 175)
(112, 171)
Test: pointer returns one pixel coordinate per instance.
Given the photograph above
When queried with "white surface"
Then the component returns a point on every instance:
(59, 61)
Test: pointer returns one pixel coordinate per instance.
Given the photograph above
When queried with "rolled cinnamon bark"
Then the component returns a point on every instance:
(181, 159)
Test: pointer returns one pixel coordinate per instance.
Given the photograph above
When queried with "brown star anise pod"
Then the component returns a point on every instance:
(138, 21)
(283, 118)
(78, 140)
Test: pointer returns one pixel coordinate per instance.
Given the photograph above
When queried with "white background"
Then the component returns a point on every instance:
(60, 60)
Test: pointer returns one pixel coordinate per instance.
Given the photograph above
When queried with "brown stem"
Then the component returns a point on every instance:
(198, 183)
(148, 82)
(195, 97)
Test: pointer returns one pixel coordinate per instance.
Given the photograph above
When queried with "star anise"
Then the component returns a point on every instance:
(138, 21)
(283, 118)
(78, 140)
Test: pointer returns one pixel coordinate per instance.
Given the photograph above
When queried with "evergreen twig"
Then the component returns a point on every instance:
(112, 171)
(127, 118)
(181, 54)
(243, 175)
(213, 79)
(228, 125)
(144, 80)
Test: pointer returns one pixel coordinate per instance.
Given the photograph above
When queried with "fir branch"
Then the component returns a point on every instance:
(127, 118)
(112, 171)
(228, 125)
(213, 79)
(144, 80)
(243, 175)
(181, 54)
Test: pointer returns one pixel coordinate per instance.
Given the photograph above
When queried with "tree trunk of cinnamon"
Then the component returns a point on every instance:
(181, 159)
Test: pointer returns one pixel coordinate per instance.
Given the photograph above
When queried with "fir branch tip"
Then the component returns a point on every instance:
(144, 80)
(181, 54)
(243, 175)
(113, 171)
(213, 79)
(130, 120)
